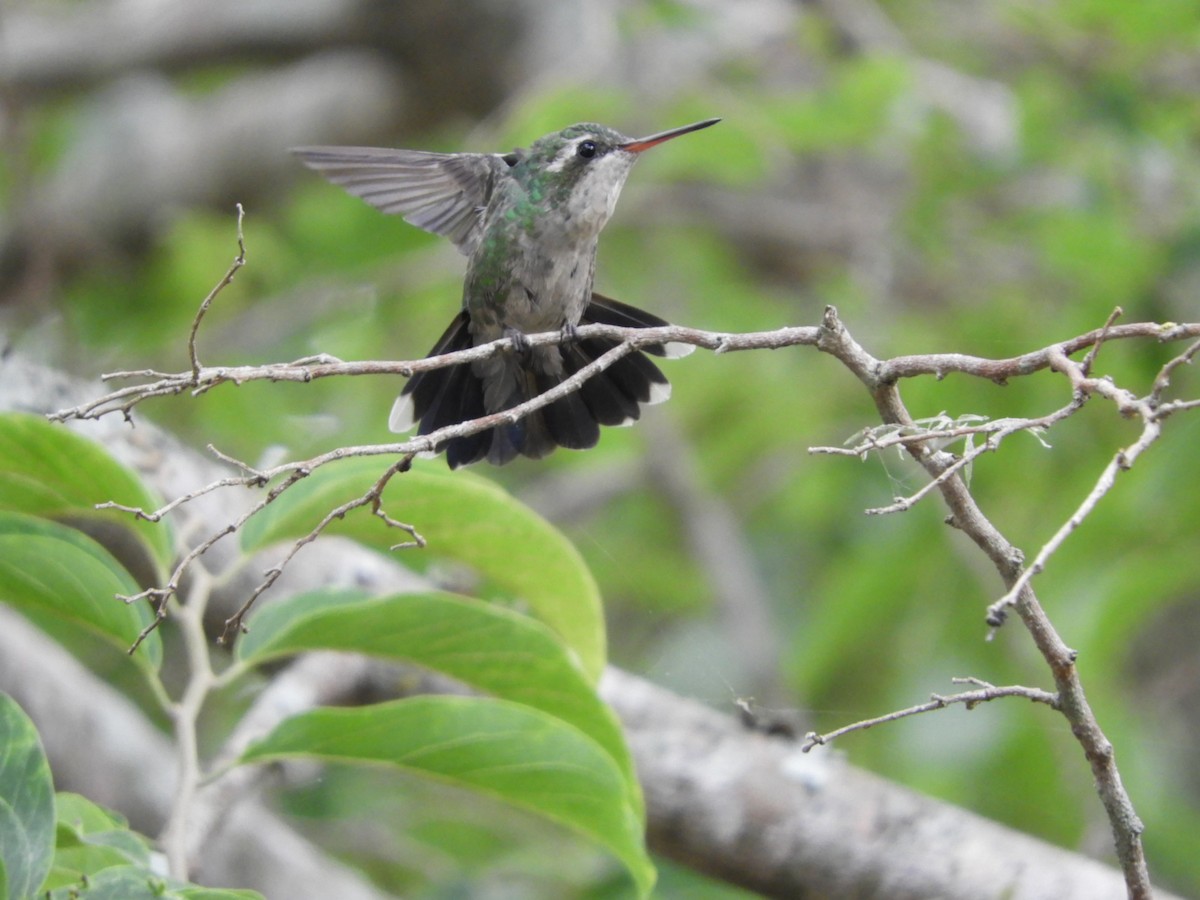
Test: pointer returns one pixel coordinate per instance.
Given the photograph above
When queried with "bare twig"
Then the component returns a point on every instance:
(1002, 429)
(238, 262)
(940, 428)
(1163, 381)
(124, 399)
(373, 496)
(970, 699)
(1149, 409)
(1089, 359)
(1000, 370)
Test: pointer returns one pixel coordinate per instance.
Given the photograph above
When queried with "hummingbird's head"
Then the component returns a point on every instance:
(580, 170)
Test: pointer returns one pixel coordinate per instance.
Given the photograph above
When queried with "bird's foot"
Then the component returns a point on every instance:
(520, 341)
(570, 334)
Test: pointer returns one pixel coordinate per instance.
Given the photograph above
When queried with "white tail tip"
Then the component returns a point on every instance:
(401, 419)
(659, 393)
(676, 350)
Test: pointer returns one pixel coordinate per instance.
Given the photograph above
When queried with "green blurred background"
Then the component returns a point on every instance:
(985, 178)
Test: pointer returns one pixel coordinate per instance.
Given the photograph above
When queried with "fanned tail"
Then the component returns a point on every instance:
(613, 397)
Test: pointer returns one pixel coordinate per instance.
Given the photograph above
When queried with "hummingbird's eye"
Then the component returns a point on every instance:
(586, 149)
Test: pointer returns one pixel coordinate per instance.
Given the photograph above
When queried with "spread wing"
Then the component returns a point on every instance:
(445, 193)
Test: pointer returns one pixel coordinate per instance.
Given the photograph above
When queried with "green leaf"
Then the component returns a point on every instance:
(50, 471)
(85, 817)
(76, 858)
(26, 803)
(50, 568)
(89, 840)
(507, 751)
(136, 883)
(116, 883)
(466, 519)
(491, 648)
(97, 856)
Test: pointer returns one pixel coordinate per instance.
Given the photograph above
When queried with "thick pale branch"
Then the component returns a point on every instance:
(755, 810)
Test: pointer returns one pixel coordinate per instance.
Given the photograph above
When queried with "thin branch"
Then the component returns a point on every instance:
(373, 496)
(1000, 370)
(1120, 462)
(1005, 428)
(1089, 360)
(207, 378)
(939, 428)
(1163, 380)
(1175, 406)
(970, 699)
(1149, 410)
(160, 597)
(157, 515)
(238, 262)
(903, 504)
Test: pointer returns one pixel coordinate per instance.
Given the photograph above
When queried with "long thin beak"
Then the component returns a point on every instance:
(640, 144)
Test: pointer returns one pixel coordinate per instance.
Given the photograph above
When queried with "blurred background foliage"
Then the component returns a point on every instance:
(986, 178)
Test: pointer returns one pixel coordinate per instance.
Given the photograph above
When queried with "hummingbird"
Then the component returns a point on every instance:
(529, 222)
